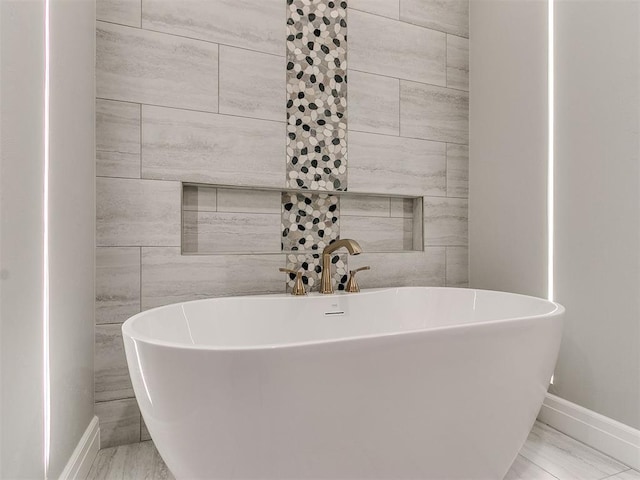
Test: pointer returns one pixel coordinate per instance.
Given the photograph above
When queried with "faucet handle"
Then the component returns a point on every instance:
(298, 286)
(352, 284)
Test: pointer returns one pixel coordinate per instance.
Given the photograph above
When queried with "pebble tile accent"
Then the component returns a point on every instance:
(312, 266)
(317, 94)
(309, 222)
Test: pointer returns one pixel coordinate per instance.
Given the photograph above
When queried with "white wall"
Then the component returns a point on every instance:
(597, 205)
(21, 238)
(597, 181)
(72, 217)
(508, 145)
(71, 237)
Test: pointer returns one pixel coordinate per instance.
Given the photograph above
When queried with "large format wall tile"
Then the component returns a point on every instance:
(124, 12)
(252, 84)
(396, 49)
(117, 283)
(451, 16)
(445, 221)
(119, 422)
(249, 201)
(365, 206)
(401, 269)
(457, 62)
(219, 232)
(405, 166)
(112, 379)
(168, 277)
(434, 113)
(378, 234)
(210, 148)
(457, 267)
(374, 103)
(457, 170)
(254, 24)
(199, 198)
(117, 139)
(137, 212)
(386, 8)
(148, 67)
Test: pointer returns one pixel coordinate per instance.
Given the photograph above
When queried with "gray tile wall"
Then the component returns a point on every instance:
(195, 91)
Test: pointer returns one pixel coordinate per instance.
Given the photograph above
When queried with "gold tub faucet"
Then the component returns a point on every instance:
(352, 247)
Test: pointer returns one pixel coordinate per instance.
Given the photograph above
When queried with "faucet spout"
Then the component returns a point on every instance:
(352, 247)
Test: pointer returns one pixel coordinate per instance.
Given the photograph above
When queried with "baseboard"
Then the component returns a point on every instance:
(85, 453)
(602, 433)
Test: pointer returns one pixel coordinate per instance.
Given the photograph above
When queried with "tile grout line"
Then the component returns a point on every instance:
(375, 74)
(406, 22)
(209, 42)
(189, 109)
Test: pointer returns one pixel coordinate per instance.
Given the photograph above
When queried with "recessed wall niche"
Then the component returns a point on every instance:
(219, 219)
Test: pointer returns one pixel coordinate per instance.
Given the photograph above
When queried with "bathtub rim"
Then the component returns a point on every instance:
(128, 331)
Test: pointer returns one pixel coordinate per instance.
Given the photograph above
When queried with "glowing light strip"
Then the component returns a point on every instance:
(45, 310)
(551, 156)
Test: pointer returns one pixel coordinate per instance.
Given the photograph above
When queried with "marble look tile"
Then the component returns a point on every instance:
(457, 267)
(628, 475)
(124, 12)
(112, 381)
(117, 283)
(117, 139)
(451, 16)
(401, 269)
(523, 469)
(378, 234)
(144, 432)
(374, 103)
(457, 170)
(209, 148)
(249, 201)
(119, 422)
(199, 198)
(169, 277)
(386, 8)
(434, 113)
(140, 461)
(402, 207)
(445, 221)
(405, 166)
(566, 458)
(365, 205)
(137, 212)
(396, 49)
(457, 62)
(253, 24)
(252, 84)
(216, 232)
(148, 67)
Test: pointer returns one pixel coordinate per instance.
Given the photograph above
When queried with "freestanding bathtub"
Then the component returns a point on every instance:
(399, 383)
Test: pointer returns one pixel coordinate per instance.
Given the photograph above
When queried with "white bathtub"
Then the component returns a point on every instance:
(402, 383)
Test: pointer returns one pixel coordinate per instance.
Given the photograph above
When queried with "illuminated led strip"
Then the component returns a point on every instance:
(551, 158)
(45, 310)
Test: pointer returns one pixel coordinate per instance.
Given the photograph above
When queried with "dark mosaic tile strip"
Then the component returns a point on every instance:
(311, 263)
(317, 94)
(310, 222)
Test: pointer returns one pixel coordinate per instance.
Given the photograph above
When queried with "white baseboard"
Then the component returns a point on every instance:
(85, 453)
(602, 433)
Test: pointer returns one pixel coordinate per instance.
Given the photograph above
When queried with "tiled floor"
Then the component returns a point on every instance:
(547, 455)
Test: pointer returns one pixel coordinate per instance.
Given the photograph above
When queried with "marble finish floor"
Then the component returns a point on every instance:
(547, 455)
